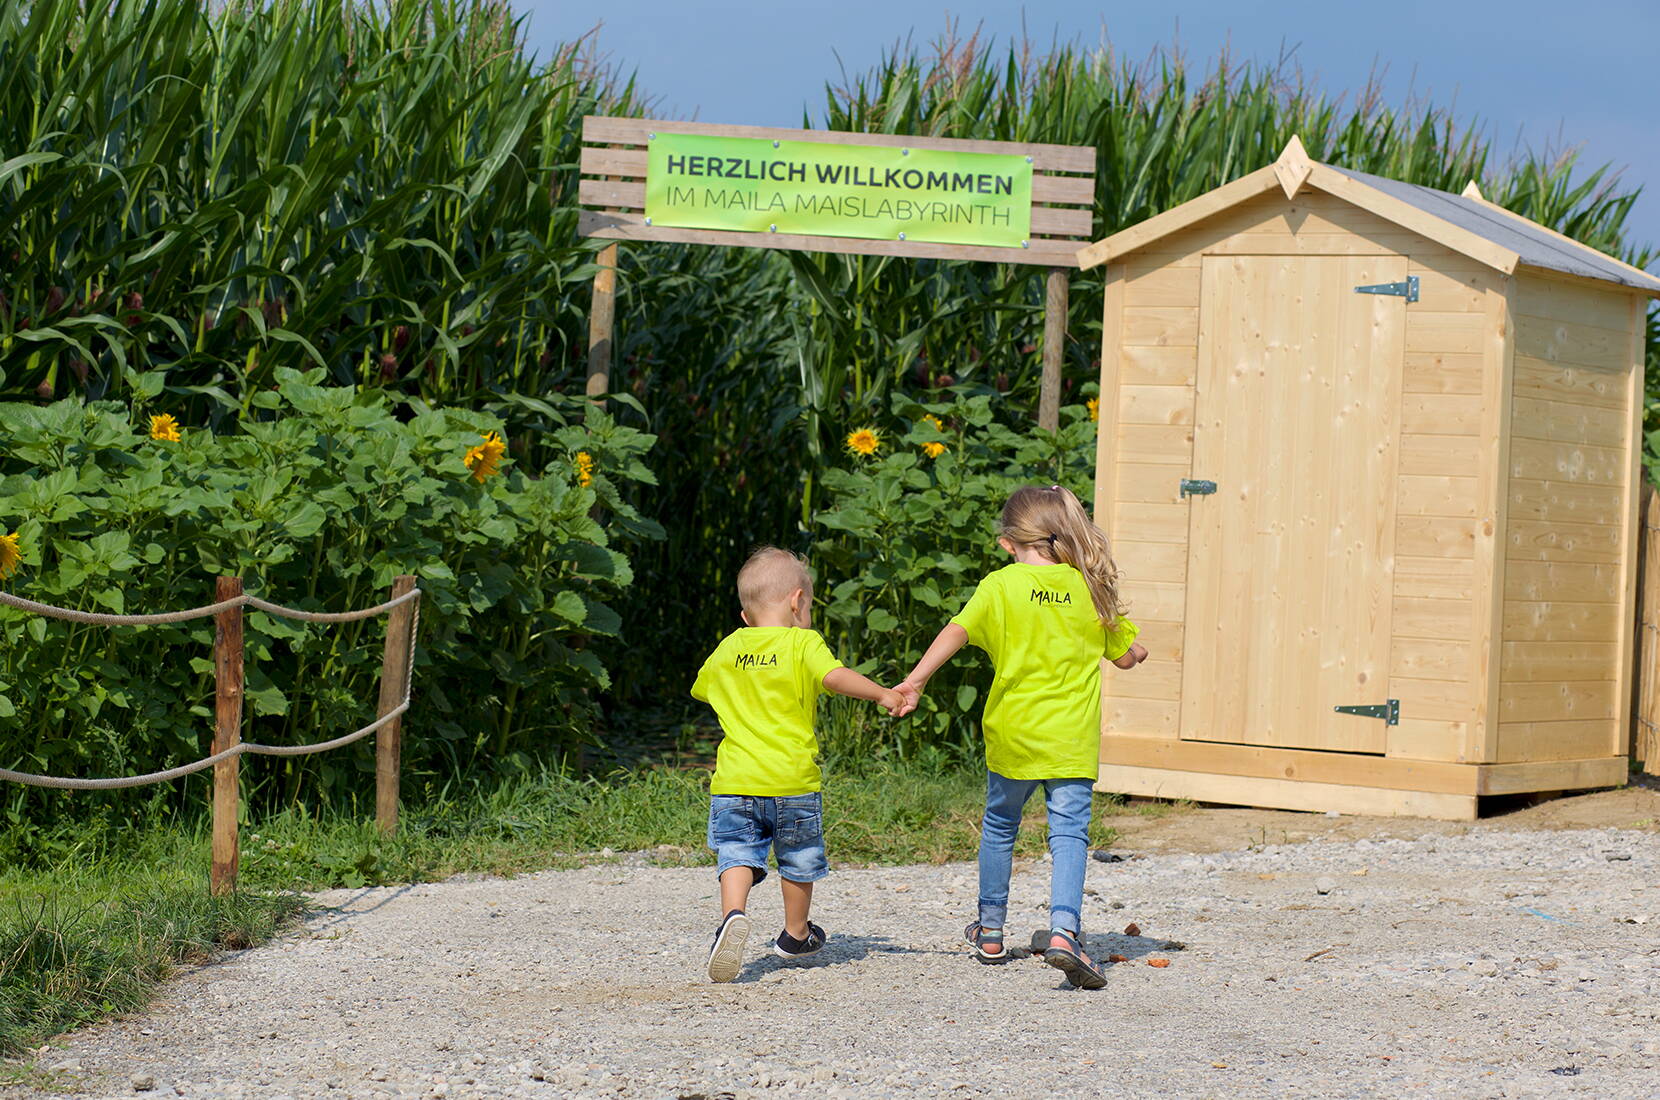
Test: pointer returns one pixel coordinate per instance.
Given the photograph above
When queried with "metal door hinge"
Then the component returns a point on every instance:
(1196, 488)
(1390, 712)
(1407, 290)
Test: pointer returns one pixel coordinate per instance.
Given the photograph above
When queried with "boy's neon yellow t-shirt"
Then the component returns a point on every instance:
(1038, 625)
(764, 683)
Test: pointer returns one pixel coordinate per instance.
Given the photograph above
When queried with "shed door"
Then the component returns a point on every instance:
(1290, 561)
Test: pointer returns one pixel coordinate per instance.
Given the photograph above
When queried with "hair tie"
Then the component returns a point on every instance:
(1051, 539)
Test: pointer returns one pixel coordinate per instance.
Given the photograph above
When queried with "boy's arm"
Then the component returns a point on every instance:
(844, 681)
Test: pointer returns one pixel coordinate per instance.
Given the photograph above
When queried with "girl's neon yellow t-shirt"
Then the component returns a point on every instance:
(1038, 625)
(764, 683)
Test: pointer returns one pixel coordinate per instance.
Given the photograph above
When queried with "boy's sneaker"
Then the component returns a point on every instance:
(726, 957)
(788, 947)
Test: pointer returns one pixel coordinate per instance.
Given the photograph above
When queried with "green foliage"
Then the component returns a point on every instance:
(383, 190)
(907, 536)
(318, 500)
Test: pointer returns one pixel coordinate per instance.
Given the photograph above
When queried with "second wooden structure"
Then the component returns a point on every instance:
(1369, 455)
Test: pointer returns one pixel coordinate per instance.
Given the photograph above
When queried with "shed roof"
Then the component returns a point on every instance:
(1465, 223)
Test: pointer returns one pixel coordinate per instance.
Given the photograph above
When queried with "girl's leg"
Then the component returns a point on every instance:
(1004, 800)
(1069, 808)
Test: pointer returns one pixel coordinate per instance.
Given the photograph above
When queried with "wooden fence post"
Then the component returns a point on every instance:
(227, 733)
(1645, 741)
(1056, 292)
(394, 686)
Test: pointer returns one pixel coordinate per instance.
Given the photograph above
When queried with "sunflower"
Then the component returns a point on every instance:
(1094, 407)
(164, 428)
(865, 441)
(484, 459)
(933, 450)
(584, 469)
(11, 555)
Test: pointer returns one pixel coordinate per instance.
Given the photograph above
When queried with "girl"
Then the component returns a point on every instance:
(1045, 621)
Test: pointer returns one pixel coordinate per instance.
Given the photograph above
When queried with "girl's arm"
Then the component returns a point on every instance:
(844, 681)
(945, 646)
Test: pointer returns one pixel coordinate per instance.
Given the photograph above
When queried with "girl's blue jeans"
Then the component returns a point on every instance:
(1069, 806)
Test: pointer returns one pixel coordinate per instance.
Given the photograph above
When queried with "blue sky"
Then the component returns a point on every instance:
(1538, 74)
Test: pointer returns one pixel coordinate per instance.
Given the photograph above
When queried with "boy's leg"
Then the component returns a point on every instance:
(735, 884)
(1069, 809)
(741, 862)
(798, 905)
(798, 840)
(739, 840)
(1004, 801)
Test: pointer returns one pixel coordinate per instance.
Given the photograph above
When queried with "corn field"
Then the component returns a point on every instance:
(387, 191)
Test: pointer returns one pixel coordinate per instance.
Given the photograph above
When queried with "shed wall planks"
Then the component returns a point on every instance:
(1569, 536)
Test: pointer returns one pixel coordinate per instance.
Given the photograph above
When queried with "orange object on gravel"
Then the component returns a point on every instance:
(1132, 929)
(1118, 958)
(1160, 963)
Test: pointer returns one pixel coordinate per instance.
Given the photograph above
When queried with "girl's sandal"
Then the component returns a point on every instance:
(987, 944)
(1071, 961)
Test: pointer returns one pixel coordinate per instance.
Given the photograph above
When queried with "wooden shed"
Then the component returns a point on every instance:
(1369, 457)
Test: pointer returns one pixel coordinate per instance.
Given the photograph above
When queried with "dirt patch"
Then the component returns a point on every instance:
(1163, 827)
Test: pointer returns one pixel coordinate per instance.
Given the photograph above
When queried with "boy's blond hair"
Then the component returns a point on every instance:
(769, 576)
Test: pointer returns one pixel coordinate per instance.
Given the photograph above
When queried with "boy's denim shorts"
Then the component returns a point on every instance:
(742, 827)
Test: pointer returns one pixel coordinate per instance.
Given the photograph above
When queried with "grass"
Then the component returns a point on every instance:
(91, 931)
(81, 942)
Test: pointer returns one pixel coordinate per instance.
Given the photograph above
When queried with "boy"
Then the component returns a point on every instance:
(764, 681)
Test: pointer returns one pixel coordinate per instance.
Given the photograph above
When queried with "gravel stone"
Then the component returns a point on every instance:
(1461, 965)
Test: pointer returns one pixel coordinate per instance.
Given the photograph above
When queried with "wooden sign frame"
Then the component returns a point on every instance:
(613, 168)
(613, 178)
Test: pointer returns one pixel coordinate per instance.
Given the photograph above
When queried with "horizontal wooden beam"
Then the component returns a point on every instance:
(1553, 775)
(606, 130)
(1048, 221)
(1360, 771)
(1284, 794)
(1298, 764)
(624, 226)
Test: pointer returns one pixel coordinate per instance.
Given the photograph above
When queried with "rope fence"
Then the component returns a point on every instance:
(396, 685)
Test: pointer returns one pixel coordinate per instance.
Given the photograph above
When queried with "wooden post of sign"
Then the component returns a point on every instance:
(394, 688)
(227, 733)
(600, 322)
(1054, 348)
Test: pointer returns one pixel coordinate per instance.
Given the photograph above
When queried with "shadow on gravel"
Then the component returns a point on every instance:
(337, 914)
(1102, 946)
(840, 949)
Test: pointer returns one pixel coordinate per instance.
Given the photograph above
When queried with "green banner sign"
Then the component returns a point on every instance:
(824, 190)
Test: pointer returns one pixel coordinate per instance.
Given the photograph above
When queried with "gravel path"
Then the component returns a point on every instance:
(1483, 965)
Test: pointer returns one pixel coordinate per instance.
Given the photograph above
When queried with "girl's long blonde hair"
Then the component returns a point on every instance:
(1052, 521)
